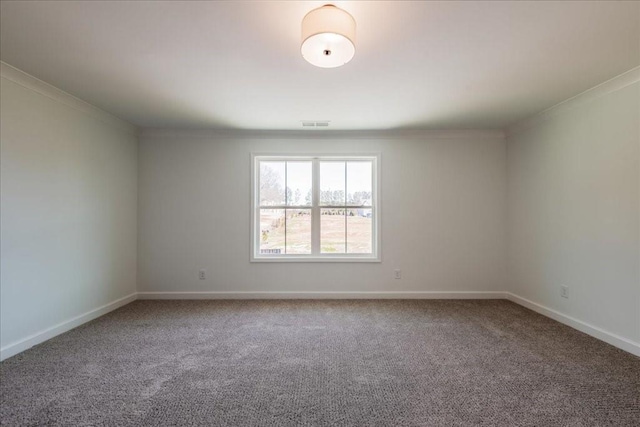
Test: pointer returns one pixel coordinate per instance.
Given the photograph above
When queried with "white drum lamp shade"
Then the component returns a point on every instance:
(328, 37)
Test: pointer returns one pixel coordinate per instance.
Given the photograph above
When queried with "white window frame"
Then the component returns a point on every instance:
(315, 256)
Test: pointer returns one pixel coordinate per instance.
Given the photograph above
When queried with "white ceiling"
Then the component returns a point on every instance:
(238, 64)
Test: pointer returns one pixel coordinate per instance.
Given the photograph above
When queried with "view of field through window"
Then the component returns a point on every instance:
(345, 202)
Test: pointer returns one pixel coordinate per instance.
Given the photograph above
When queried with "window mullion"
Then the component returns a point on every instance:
(346, 191)
(315, 207)
(286, 202)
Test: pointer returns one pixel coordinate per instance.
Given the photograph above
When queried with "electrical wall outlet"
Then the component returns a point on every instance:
(564, 291)
(397, 274)
(202, 274)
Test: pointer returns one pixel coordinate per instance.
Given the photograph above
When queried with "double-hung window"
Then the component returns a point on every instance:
(315, 208)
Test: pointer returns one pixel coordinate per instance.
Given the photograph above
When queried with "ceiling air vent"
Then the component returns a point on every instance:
(315, 124)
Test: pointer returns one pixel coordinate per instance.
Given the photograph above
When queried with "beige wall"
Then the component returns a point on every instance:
(574, 215)
(68, 211)
(442, 207)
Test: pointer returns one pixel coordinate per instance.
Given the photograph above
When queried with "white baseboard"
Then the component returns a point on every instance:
(322, 295)
(608, 337)
(37, 338)
(594, 331)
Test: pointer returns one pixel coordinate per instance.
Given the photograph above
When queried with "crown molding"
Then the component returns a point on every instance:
(18, 76)
(619, 82)
(323, 134)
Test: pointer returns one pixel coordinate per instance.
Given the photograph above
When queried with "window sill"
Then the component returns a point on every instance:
(352, 259)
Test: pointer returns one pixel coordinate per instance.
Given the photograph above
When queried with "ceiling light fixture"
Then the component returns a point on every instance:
(328, 37)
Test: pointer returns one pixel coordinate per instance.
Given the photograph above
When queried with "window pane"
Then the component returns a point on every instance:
(359, 231)
(272, 231)
(298, 231)
(359, 183)
(299, 183)
(332, 187)
(272, 183)
(332, 231)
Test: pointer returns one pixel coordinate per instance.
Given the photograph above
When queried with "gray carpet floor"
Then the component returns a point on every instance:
(321, 363)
